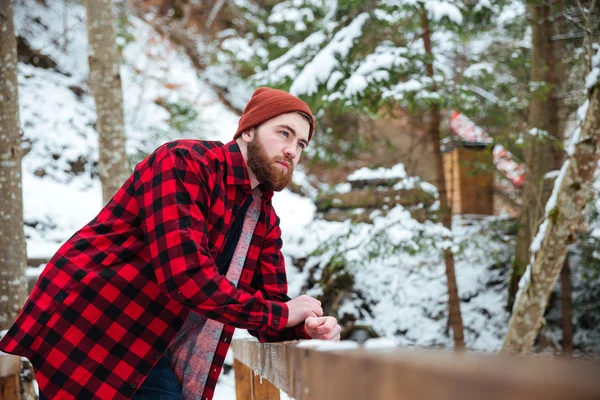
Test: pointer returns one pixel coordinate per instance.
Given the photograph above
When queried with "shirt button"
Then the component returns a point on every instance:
(276, 322)
(133, 385)
(214, 370)
(156, 357)
(225, 340)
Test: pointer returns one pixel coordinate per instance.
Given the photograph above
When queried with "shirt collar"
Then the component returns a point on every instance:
(237, 170)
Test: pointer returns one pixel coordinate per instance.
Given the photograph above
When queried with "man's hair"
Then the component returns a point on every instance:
(307, 118)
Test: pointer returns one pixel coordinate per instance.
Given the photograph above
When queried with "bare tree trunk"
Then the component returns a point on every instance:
(557, 231)
(105, 81)
(542, 154)
(566, 308)
(454, 314)
(13, 281)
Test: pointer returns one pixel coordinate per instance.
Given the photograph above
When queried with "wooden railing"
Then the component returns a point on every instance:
(385, 374)
(9, 377)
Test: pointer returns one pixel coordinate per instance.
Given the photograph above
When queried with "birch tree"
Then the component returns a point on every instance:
(562, 214)
(542, 154)
(13, 259)
(105, 81)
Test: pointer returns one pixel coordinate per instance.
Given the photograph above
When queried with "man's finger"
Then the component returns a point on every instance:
(312, 322)
(331, 335)
(326, 324)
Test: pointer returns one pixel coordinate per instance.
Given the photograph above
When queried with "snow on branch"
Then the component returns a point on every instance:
(319, 69)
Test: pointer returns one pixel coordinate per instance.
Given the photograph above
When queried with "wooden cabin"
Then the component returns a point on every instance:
(469, 173)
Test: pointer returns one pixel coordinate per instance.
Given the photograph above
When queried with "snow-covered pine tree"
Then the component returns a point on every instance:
(372, 57)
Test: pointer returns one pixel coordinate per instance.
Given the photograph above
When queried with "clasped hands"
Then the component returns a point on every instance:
(308, 309)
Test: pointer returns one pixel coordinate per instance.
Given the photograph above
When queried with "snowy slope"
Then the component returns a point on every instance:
(58, 124)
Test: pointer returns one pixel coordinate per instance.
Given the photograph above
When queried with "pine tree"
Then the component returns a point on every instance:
(380, 55)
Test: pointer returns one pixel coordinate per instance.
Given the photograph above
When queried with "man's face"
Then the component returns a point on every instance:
(275, 147)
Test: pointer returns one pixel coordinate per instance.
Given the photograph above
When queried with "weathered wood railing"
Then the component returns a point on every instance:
(10, 367)
(384, 374)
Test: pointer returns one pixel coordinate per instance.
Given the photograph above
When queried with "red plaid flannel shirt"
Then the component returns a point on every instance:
(112, 298)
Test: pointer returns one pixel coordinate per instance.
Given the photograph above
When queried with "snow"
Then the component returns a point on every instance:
(327, 345)
(60, 132)
(282, 67)
(380, 343)
(374, 68)
(396, 172)
(592, 79)
(318, 70)
(476, 69)
(443, 9)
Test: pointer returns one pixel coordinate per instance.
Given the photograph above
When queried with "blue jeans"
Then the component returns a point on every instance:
(160, 384)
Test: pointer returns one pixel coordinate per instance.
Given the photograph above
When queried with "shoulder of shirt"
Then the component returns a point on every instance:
(206, 152)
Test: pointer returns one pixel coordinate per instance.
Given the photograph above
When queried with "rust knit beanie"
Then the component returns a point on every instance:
(267, 103)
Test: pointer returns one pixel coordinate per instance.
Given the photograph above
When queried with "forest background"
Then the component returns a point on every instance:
(372, 224)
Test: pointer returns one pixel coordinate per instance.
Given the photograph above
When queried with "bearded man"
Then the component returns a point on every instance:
(143, 301)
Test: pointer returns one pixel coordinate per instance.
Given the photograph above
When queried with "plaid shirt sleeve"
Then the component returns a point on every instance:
(174, 199)
(270, 278)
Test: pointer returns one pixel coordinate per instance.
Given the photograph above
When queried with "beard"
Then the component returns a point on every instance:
(264, 168)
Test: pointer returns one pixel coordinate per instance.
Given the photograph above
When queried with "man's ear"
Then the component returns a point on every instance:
(248, 135)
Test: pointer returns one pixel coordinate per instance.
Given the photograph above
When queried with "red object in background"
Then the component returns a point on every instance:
(504, 162)
(465, 128)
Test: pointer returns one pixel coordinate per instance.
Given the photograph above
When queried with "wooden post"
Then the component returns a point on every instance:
(250, 386)
(262, 389)
(243, 381)
(9, 377)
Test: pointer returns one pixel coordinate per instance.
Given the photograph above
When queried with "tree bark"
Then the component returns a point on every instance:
(454, 314)
(566, 308)
(13, 281)
(105, 81)
(556, 233)
(542, 155)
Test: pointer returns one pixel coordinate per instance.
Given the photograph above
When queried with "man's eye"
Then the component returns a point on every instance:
(284, 133)
(302, 145)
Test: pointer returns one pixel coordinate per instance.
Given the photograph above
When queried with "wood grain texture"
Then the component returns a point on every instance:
(306, 373)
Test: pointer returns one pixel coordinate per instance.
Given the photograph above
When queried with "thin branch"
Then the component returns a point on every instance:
(214, 12)
(572, 93)
(567, 36)
(569, 18)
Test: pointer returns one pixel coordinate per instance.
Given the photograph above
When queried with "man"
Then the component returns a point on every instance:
(186, 251)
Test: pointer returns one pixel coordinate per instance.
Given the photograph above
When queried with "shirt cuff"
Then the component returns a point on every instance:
(278, 315)
(301, 332)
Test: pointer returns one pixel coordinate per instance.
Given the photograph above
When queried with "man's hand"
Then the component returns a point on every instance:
(301, 308)
(324, 328)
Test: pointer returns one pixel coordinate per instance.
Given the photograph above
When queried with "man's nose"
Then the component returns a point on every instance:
(290, 151)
